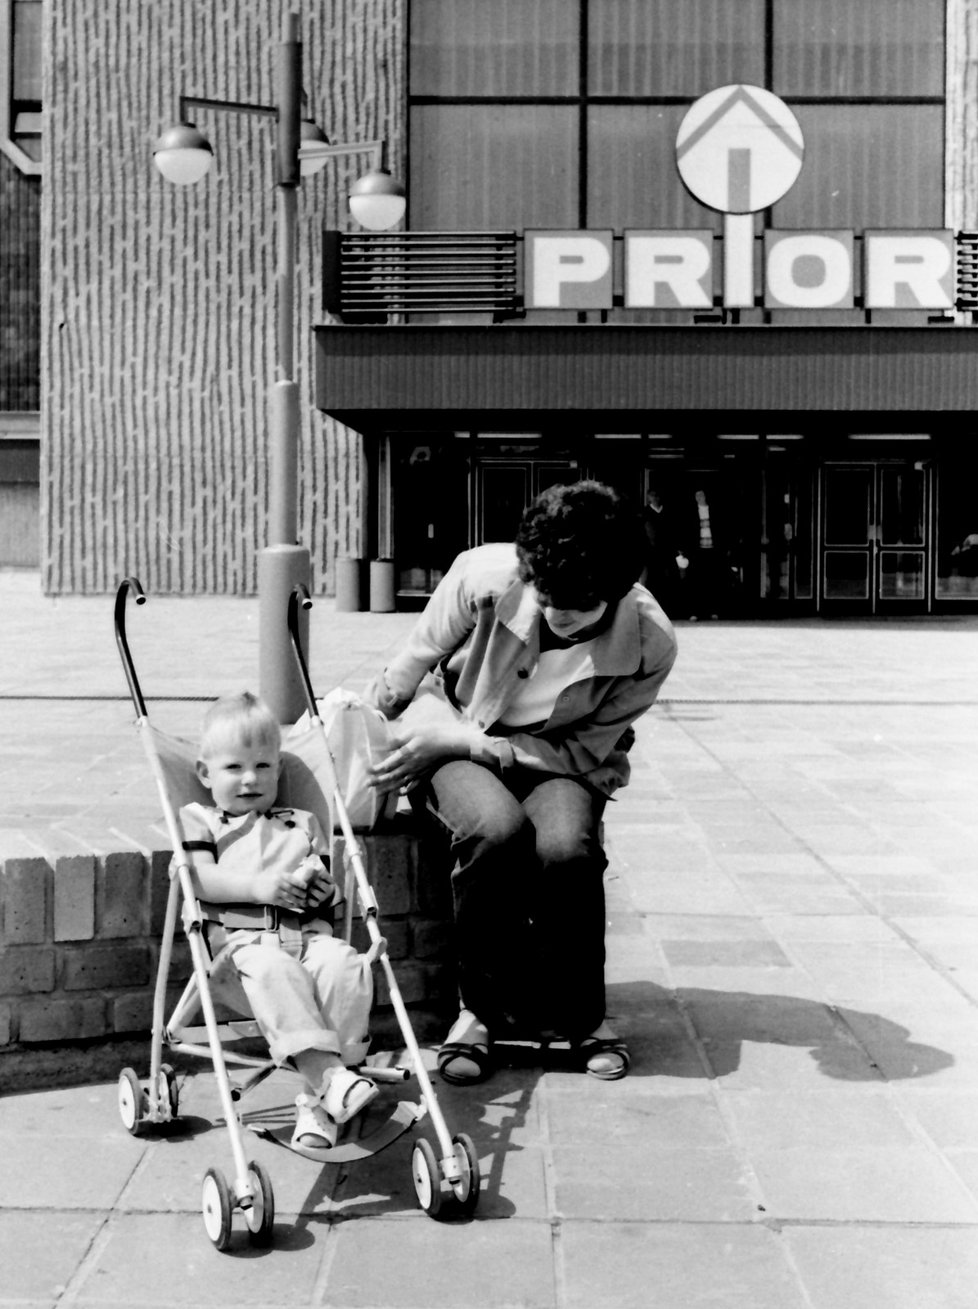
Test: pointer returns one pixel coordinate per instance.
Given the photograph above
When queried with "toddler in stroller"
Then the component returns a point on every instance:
(252, 883)
(262, 875)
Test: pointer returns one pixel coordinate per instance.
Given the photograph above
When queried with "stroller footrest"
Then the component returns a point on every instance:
(236, 1030)
(404, 1116)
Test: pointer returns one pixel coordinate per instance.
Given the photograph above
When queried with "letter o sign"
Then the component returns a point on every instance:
(808, 270)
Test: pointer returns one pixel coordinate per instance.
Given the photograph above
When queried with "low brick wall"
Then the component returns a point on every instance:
(80, 944)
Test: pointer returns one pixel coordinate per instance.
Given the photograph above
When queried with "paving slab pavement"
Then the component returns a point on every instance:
(793, 915)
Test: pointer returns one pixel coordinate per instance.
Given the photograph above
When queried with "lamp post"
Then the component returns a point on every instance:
(183, 155)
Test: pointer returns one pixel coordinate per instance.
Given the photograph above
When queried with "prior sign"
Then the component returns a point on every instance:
(669, 269)
(739, 149)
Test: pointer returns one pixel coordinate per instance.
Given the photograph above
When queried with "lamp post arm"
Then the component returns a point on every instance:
(187, 102)
(322, 150)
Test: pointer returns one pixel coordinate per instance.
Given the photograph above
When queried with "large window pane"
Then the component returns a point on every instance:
(902, 574)
(846, 575)
(494, 47)
(665, 47)
(902, 505)
(501, 166)
(27, 53)
(632, 176)
(957, 519)
(20, 83)
(868, 166)
(430, 527)
(858, 47)
(848, 505)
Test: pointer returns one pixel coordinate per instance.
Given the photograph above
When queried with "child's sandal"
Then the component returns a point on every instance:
(314, 1129)
(346, 1093)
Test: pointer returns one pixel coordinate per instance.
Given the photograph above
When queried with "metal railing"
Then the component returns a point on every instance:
(381, 273)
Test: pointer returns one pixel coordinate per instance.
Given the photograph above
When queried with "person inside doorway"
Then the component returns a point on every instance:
(662, 573)
(965, 556)
(537, 657)
(703, 577)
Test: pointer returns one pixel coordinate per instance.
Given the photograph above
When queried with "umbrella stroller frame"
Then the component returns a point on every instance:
(446, 1182)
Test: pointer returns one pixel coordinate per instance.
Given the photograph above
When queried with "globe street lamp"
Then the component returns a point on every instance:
(183, 155)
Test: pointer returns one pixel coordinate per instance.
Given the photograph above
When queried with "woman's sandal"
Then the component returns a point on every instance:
(594, 1048)
(474, 1052)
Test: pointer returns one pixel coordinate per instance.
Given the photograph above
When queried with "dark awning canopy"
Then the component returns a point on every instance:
(370, 376)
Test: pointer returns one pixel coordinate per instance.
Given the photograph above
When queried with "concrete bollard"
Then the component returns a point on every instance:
(381, 586)
(349, 585)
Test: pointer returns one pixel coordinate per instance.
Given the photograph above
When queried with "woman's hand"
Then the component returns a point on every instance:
(421, 749)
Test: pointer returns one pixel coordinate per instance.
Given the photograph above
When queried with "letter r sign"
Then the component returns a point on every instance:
(909, 269)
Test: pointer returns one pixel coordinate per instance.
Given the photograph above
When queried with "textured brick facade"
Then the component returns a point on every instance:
(158, 301)
(961, 119)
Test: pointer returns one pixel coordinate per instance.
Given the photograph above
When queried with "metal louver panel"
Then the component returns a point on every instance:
(420, 272)
(967, 270)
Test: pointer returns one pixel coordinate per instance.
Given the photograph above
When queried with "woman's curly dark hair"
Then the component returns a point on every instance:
(579, 545)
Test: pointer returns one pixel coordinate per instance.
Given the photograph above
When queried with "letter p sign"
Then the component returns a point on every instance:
(568, 270)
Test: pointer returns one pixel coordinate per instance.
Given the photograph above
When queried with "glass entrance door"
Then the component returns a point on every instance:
(874, 538)
(505, 486)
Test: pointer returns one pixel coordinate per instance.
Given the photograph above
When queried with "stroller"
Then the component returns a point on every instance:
(446, 1183)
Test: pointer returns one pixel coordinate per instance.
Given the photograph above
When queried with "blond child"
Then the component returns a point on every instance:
(263, 873)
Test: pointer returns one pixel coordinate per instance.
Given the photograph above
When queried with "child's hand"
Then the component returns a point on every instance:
(312, 877)
(283, 890)
(305, 887)
(305, 873)
(319, 889)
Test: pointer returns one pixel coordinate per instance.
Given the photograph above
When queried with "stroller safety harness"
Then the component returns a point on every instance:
(447, 1179)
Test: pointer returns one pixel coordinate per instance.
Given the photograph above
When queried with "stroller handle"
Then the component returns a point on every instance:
(300, 598)
(129, 584)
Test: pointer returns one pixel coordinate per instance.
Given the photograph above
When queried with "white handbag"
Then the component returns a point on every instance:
(358, 736)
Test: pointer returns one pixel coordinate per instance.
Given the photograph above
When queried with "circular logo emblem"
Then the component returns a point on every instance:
(739, 149)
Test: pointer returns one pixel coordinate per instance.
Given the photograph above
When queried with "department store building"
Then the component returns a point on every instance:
(715, 252)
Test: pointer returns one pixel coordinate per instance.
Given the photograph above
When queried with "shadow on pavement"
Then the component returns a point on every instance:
(846, 1044)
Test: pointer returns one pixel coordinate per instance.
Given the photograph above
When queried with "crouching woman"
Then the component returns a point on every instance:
(517, 690)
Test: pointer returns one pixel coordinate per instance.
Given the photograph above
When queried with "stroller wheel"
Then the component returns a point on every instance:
(168, 1090)
(215, 1196)
(427, 1177)
(466, 1190)
(260, 1218)
(131, 1101)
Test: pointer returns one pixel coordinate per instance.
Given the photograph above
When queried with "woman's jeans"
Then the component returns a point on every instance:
(528, 896)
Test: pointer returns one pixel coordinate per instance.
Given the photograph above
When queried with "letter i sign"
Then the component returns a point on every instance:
(739, 149)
